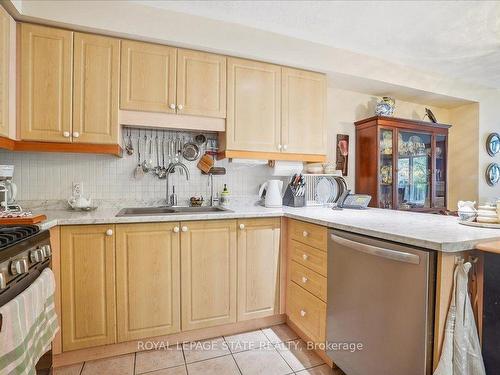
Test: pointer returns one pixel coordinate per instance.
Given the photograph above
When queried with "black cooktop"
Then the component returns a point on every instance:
(12, 234)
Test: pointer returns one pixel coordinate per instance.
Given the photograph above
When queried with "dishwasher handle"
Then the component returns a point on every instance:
(398, 256)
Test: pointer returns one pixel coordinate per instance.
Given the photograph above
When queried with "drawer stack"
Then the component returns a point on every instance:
(307, 266)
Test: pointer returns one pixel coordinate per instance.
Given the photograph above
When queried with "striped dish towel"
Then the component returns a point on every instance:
(29, 324)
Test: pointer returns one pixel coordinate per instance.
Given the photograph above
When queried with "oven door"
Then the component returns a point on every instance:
(15, 288)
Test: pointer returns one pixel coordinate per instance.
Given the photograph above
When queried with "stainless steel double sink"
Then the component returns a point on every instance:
(169, 210)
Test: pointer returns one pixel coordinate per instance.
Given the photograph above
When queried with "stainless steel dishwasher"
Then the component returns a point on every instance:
(380, 296)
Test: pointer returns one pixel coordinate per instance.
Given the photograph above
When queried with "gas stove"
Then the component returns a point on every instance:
(11, 234)
(24, 253)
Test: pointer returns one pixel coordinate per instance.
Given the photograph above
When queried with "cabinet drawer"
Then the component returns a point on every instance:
(307, 312)
(308, 256)
(309, 280)
(310, 234)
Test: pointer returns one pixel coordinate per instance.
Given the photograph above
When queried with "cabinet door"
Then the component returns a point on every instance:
(46, 83)
(96, 89)
(87, 286)
(4, 71)
(148, 77)
(413, 170)
(208, 273)
(303, 112)
(258, 262)
(253, 106)
(147, 270)
(201, 84)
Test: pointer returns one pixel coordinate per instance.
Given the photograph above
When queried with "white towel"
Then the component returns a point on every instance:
(29, 324)
(461, 353)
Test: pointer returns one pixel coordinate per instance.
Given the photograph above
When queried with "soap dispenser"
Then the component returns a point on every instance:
(224, 196)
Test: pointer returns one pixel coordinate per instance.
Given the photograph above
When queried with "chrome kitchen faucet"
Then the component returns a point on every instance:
(172, 200)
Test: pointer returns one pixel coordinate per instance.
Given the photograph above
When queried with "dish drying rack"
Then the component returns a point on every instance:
(311, 181)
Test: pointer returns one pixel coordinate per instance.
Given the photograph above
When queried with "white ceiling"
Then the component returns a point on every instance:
(458, 39)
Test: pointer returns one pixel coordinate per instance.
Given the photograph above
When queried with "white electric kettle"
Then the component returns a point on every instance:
(273, 193)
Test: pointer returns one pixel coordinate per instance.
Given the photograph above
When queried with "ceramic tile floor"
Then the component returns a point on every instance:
(272, 351)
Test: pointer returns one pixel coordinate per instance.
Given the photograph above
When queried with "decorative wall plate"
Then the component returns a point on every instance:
(493, 174)
(493, 144)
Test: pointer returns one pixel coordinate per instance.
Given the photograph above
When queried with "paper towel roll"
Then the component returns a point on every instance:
(287, 168)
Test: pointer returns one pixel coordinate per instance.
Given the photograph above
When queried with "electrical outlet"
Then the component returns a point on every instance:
(77, 189)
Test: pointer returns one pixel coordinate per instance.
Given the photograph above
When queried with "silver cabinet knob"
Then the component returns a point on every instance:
(304, 279)
(46, 251)
(36, 255)
(76, 134)
(176, 229)
(184, 229)
(305, 256)
(279, 147)
(242, 226)
(285, 147)
(66, 134)
(180, 106)
(172, 106)
(3, 281)
(305, 233)
(19, 266)
(302, 313)
(109, 232)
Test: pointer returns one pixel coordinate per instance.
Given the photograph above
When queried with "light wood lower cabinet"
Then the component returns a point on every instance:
(258, 265)
(306, 293)
(46, 83)
(208, 273)
(127, 282)
(147, 280)
(88, 286)
(307, 312)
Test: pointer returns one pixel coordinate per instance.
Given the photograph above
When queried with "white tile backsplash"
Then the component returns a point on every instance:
(49, 176)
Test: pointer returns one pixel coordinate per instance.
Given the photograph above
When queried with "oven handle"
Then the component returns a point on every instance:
(398, 256)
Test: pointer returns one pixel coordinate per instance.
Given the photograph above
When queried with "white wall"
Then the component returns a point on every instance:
(489, 120)
(463, 150)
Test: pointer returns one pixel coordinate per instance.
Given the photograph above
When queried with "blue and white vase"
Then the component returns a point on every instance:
(385, 107)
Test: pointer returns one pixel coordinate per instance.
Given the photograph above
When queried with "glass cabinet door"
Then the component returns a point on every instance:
(414, 163)
(386, 167)
(441, 171)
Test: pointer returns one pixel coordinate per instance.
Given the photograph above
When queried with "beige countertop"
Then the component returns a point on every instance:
(435, 232)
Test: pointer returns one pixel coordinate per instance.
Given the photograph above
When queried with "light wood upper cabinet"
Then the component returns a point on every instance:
(87, 286)
(258, 264)
(96, 89)
(4, 71)
(303, 107)
(274, 112)
(208, 273)
(253, 106)
(201, 84)
(46, 83)
(148, 77)
(147, 280)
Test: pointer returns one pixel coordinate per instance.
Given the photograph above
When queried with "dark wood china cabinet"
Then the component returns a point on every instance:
(402, 163)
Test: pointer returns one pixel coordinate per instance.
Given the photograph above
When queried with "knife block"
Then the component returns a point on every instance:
(291, 200)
